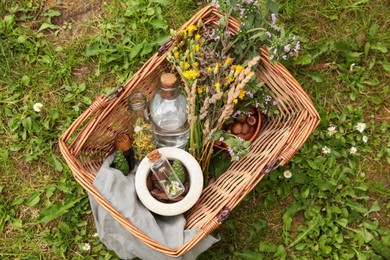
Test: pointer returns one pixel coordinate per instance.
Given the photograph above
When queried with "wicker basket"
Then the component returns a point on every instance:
(90, 139)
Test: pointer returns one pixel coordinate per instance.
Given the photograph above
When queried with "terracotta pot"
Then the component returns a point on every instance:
(252, 133)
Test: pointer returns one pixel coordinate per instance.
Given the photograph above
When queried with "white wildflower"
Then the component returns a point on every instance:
(332, 130)
(38, 107)
(360, 127)
(287, 174)
(364, 139)
(86, 247)
(353, 150)
(325, 150)
(95, 234)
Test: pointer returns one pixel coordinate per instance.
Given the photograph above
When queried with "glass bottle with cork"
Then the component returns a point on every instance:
(123, 144)
(165, 175)
(168, 111)
(142, 129)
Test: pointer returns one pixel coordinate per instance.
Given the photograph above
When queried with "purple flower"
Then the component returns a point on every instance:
(297, 47)
(243, 23)
(273, 17)
(257, 105)
(294, 37)
(250, 94)
(237, 158)
(268, 34)
(248, 1)
(287, 48)
(271, 57)
(264, 111)
(231, 152)
(284, 57)
(241, 139)
(238, 112)
(221, 139)
(275, 102)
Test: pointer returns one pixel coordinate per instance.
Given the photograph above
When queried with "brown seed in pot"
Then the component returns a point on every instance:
(245, 128)
(242, 118)
(236, 128)
(251, 120)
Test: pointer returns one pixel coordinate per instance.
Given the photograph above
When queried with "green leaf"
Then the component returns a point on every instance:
(135, 50)
(25, 80)
(56, 163)
(374, 208)
(267, 247)
(34, 199)
(159, 24)
(386, 66)
(342, 222)
(312, 164)
(379, 47)
(355, 206)
(161, 2)
(54, 211)
(247, 255)
(272, 7)
(46, 26)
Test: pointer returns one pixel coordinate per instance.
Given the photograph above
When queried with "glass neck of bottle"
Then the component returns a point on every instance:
(169, 93)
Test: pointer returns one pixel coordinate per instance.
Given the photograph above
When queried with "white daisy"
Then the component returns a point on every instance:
(353, 150)
(360, 127)
(38, 107)
(287, 174)
(364, 139)
(86, 247)
(332, 130)
(325, 150)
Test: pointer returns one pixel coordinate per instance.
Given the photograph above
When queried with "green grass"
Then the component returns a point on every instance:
(335, 206)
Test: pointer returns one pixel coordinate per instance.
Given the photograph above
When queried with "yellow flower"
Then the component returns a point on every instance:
(191, 74)
(242, 94)
(209, 69)
(229, 79)
(197, 46)
(191, 28)
(196, 64)
(228, 60)
(176, 54)
(200, 91)
(239, 68)
(184, 32)
(186, 65)
(235, 101)
(197, 36)
(233, 67)
(217, 86)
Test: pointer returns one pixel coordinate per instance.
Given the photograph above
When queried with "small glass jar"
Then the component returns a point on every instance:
(168, 109)
(141, 126)
(165, 175)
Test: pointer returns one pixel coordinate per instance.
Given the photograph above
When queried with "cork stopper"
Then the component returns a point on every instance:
(168, 80)
(154, 155)
(122, 142)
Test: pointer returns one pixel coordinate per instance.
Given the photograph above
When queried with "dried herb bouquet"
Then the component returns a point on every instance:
(217, 68)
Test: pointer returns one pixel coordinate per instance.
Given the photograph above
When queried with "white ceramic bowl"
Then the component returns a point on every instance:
(175, 208)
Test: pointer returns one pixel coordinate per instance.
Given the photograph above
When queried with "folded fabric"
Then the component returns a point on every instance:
(119, 190)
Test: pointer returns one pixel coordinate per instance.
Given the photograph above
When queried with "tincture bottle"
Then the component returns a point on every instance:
(123, 143)
(141, 126)
(165, 175)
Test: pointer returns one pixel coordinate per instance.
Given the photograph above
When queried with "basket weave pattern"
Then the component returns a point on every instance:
(90, 139)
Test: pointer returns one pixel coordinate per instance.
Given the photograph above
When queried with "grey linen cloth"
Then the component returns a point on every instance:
(119, 190)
